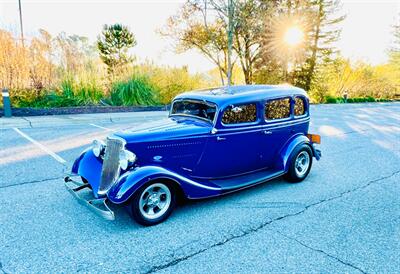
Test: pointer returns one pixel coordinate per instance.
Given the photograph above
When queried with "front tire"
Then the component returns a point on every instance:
(300, 164)
(153, 203)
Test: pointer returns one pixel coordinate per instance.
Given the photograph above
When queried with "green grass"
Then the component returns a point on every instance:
(137, 91)
(84, 92)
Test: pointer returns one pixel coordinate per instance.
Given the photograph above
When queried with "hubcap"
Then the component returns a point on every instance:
(302, 163)
(155, 201)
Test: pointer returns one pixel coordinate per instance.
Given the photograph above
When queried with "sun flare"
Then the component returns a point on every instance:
(293, 36)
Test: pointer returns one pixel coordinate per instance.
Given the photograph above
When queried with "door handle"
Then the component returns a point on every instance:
(267, 132)
(220, 138)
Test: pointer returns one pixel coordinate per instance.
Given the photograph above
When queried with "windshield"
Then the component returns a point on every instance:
(193, 108)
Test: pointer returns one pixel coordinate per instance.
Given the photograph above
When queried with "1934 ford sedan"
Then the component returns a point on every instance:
(213, 142)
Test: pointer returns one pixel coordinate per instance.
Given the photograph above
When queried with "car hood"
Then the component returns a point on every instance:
(168, 128)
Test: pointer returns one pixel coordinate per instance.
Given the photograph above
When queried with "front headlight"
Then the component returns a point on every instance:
(98, 147)
(126, 158)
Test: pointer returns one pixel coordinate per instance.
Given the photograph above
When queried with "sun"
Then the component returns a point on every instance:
(287, 38)
(293, 36)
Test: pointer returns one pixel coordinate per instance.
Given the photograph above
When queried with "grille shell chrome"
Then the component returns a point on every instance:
(111, 169)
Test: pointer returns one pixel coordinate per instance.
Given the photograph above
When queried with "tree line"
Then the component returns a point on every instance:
(73, 70)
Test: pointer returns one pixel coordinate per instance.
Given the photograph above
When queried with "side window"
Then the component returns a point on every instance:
(277, 109)
(240, 114)
(299, 106)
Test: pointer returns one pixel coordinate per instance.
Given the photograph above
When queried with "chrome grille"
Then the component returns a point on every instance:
(110, 170)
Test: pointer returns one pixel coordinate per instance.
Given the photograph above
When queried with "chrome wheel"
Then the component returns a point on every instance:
(155, 201)
(302, 163)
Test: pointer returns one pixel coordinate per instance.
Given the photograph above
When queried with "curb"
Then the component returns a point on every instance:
(20, 112)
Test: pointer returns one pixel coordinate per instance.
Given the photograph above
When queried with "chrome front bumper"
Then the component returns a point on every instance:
(97, 205)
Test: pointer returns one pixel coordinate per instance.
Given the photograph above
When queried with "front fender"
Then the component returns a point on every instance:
(75, 165)
(291, 145)
(88, 166)
(131, 181)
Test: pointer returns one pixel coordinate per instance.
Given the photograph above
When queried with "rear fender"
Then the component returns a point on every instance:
(287, 150)
(131, 181)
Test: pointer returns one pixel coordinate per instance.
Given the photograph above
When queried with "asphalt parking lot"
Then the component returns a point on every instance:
(345, 217)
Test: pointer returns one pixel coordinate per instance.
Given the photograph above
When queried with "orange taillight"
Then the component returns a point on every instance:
(314, 138)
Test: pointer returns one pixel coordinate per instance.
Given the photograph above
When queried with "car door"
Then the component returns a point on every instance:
(234, 149)
(277, 129)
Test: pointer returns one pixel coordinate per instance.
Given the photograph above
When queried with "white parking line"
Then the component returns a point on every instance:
(108, 129)
(42, 147)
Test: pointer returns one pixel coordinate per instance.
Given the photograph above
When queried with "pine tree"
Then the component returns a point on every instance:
(324, 33)
(113, 44)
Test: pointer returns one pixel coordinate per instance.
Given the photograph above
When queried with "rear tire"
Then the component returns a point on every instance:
(153, 203)
(300, 163)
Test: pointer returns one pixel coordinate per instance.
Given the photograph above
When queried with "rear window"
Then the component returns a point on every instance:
(299, 106)
(277, 109)
(196, 109)
(240, 114)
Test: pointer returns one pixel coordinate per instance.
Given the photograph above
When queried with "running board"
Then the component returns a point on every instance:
(239, 182)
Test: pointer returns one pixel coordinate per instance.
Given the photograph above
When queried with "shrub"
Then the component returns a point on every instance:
(339, 100)
(23, 97)
(85, 89)
(171, 81)
(78, 91)
(330, 100)
(137, 91)
(370, 99)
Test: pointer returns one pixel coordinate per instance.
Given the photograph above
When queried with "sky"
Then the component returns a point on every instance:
(366, 33)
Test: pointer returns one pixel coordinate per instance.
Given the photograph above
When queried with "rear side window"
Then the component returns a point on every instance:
(299, 106)
(240, 114)
(277, 109)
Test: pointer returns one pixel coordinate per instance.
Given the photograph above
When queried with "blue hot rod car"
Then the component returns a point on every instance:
(214, 142)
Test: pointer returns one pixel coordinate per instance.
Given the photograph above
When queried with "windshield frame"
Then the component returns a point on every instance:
(195, 116)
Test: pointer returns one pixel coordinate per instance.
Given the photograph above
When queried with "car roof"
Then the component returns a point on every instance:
(223, 96)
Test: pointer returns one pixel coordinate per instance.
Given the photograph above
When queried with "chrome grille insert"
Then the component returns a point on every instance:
(110, 170)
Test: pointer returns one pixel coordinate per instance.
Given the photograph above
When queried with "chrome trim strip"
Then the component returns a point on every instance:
(180, 177)
(231, 176)
(269, 125)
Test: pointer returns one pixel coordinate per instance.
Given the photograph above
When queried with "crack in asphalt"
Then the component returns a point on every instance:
(31, 182)
(26, 119)
(322, 252)
(1, 269)
(262, 225)
(267, 205)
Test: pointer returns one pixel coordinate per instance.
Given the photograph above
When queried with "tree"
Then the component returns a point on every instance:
(324, 33)
(276, 55)
(113, 44)
(41, 68)
(356, 79)
(203, 25)
(394, 52)
(72, 51)
(248, 28)
(319, 20)
(191, 29)
(14, 63)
